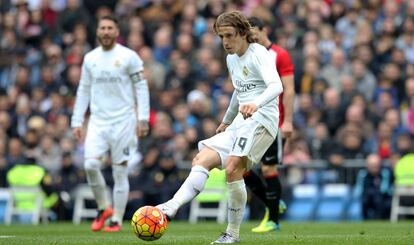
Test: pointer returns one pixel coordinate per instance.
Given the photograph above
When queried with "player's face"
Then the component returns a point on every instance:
(257, 35)
(232, 41)
(107, 33)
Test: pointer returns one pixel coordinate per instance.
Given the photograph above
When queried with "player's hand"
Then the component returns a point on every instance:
(247, 110)
(222, 127)
(78, 132)
(287, 129)
(143, 128)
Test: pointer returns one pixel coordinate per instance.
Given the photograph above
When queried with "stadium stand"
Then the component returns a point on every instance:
(354, 81)
(304, 201)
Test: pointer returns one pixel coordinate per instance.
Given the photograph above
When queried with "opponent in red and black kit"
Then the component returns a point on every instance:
(269, 190)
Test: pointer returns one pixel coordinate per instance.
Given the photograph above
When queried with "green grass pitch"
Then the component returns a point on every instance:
(205, 232)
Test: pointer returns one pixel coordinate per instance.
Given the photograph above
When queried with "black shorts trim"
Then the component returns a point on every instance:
(274, 154)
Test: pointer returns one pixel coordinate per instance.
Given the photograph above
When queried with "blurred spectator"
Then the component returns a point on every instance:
(332, 112)
(348, 90)
(180, 78)
(405, 145)
(155, 71)
(73, 14)
(28, 173)
(365, 80)
(375, 182)
(3, 161)
(34, 29)
(320, 142)
(382, 142)
(68, 177)
(305, 109)
(296, 150)
(337, 67)
(182, 118)
(15, 152)
(355, 119)
(347, 27)
(407, 106)
(48, 155)
(163, 44)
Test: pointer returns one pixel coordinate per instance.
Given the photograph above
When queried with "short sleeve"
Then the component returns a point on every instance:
(284, 63)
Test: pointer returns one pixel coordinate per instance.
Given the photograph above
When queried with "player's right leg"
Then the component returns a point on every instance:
(95, 149)
(202, 163)
(98, 186)
(250, 144)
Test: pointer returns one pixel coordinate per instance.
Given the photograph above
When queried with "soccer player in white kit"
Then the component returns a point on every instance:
(111, 85)
(246, 132)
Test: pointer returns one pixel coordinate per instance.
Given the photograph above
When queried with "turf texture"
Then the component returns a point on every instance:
(205, 232)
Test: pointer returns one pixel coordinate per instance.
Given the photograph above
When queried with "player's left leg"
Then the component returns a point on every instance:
(123, 144)
(120, 196)
(273, 188)
(213, 152)
(273, 194)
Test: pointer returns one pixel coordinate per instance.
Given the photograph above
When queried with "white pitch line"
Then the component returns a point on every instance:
(7, 236)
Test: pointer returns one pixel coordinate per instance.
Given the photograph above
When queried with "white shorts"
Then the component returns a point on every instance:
(119, 139)
(242, 138)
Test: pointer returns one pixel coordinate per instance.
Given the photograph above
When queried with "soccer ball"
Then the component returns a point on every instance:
(149, 223)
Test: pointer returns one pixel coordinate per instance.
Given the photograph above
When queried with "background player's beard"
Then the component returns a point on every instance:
(106, 42)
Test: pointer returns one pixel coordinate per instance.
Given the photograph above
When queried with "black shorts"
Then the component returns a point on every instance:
(274, 154)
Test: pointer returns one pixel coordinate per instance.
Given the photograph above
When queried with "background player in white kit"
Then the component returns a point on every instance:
(112, 85)
(254, 123)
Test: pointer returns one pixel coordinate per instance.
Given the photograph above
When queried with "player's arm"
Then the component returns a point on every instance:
(288, 100)
(267, 70)
(230, 114)
(142, 95)
(83, 95)
(142, 99)
(286, 71)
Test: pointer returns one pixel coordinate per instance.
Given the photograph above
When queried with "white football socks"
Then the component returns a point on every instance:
(96, 182)
(236, 205)
(120, 191)
(191, 187)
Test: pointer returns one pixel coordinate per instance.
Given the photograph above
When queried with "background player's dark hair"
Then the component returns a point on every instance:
(256, 22)
(111, 18)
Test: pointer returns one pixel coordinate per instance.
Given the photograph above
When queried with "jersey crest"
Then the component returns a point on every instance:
(117, 63)
(245, 71)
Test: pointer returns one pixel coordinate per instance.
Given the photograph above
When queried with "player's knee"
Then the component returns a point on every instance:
(92, 165)
(120, 173)
(269, 170)
(235, 168)
(92, 168)
(202, 159)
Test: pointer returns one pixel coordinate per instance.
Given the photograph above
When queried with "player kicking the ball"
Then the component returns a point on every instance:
(248, 129)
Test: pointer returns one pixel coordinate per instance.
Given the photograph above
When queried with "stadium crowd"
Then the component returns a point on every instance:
(354, 80)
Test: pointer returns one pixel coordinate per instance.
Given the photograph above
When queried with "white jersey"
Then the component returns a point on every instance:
(251, 74)
(108, 87)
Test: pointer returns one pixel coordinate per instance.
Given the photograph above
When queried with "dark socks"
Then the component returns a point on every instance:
(256, 185)
(273, 194)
